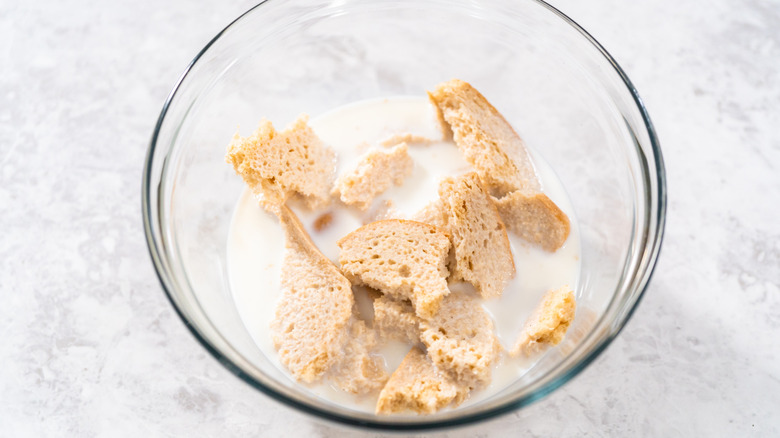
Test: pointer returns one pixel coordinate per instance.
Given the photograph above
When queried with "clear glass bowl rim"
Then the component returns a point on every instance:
(644, 271)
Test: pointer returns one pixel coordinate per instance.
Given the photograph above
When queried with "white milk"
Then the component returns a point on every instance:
(256, 241)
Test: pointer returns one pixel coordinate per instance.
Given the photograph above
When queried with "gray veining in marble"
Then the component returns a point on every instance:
(90, 346)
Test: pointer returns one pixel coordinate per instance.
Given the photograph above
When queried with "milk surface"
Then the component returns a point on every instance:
(256, 240)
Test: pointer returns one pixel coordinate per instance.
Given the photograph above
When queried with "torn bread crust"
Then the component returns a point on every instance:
(548, 324)
(312, 316)
(376, 172)
(534, 218)
(405, 259)
(277, 165)
(417, 386)
(483, 256)
(487, 140)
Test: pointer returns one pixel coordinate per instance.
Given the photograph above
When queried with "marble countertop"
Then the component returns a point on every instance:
(90, 346)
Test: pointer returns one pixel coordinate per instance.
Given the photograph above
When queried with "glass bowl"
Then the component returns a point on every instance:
(560, 89)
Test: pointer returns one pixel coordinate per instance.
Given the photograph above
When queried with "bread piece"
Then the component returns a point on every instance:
(419, 387)
(359, 370)
(461, 341)
(405, 138)
(280, 164)
(535, 218)
(548, 323)
(482, 253)
(405, 259)
(309, 330)
(395, 319)
(433, 214)
(486, 139)
(375, 173)
(381, 211)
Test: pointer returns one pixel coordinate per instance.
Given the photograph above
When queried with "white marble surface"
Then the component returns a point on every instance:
(89, 345)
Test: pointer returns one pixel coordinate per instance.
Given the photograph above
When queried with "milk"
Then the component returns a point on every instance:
(256, 241)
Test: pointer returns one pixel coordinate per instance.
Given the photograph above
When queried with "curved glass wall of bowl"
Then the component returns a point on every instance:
(561, 92)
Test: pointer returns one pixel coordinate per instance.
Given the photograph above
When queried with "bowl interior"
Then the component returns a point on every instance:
(560, 91)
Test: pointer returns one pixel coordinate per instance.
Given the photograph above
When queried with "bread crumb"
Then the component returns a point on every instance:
(277, 165)
(419, 387)
(323, 221)
(375, 173)
(548, 324)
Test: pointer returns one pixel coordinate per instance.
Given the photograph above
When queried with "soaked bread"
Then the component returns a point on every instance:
(486, 139)
(548, 324)
(461, 340)
(405, 259)
(375, 173)
(312, 316)
(278, 165)
(417, 386)
(482, 253)
(502, 162)
(359, 370)
(534, 218)
(395, 319)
